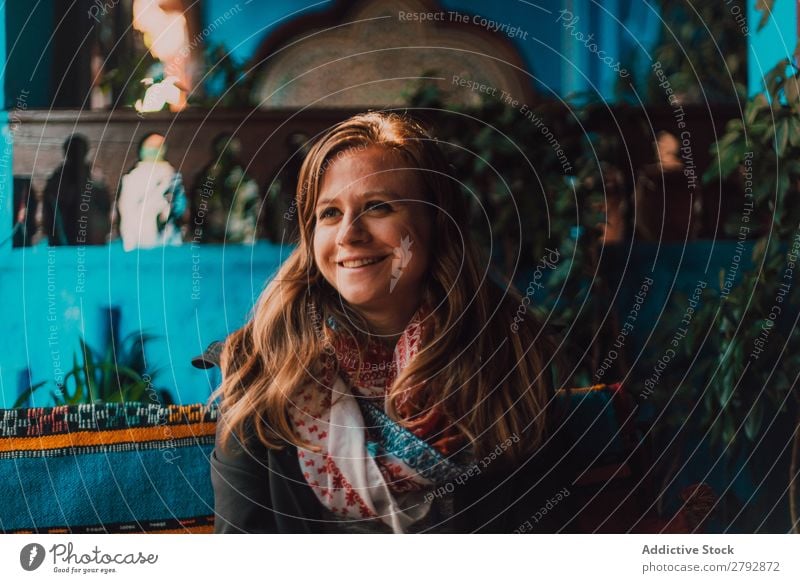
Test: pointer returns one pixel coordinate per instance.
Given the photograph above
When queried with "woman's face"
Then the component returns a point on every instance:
(373, 229)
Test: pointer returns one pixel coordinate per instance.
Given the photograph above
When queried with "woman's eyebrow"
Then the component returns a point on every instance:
(362, 195)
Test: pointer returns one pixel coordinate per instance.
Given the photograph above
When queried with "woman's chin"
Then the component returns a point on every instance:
(362, 287)
(364, 300)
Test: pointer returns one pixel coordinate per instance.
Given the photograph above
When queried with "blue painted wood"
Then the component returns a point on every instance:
(186, 296)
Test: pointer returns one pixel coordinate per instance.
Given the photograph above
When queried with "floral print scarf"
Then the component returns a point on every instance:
(362, 465)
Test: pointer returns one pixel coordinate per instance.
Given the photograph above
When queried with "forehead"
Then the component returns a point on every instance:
(372, 168)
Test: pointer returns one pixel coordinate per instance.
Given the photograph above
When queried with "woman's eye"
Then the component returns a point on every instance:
(327, 213)
(379, 206)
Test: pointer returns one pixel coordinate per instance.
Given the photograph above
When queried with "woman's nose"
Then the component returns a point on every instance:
(351, 229)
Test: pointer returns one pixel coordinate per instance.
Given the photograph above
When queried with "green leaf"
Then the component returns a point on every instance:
(774, 79)
(26, 394)
(752, 425)
(728, 432)
(759, 131)
(794, 132)
(134, 392)
(755, 107)
(731, 159)
(108, 378)
(726, 388)
(782, 136)
(89, 370)
(716, 432)
(75, 373)
(765, 8)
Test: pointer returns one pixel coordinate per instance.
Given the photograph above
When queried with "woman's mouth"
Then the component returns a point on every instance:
(360, 262)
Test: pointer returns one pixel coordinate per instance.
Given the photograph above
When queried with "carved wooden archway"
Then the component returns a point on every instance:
(365, 54)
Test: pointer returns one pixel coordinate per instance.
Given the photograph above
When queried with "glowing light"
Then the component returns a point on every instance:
(166, 35)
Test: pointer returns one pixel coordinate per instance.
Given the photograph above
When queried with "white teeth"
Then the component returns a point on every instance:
(360, 262)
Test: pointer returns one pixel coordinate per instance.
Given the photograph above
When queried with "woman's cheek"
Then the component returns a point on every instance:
(321, 250)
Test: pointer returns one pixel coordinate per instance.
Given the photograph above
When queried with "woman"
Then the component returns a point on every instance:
(378, 386)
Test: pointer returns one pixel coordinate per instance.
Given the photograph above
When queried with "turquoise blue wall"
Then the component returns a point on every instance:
(774, 42)
(6, 149)
(53, 295)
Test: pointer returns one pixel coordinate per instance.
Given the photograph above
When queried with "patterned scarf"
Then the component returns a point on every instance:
(366, 466)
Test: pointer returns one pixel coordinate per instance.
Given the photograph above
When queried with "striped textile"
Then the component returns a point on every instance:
(137, 467)
(111, 467)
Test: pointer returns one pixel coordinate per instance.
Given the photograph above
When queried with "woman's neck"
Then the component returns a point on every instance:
(387, 326)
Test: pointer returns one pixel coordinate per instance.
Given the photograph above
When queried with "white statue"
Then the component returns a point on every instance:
(152, 200)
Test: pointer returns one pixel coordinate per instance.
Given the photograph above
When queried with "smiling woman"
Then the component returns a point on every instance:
(379, 365)
(370, 203)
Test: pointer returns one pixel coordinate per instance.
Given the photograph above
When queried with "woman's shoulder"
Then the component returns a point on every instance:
(240, 448)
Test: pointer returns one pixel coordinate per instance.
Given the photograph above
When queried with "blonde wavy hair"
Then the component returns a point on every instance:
(491, 384)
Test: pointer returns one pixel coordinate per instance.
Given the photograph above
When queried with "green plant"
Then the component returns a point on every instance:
(507, 168)
(117, 376)
(735, 367)
(226, 83)
(702, 50)
(127, 59)
(526, 196)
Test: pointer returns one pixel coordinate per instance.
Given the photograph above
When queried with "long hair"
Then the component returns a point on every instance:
(490, 382)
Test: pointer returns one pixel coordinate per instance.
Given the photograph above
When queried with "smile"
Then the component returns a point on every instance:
(363, 262)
